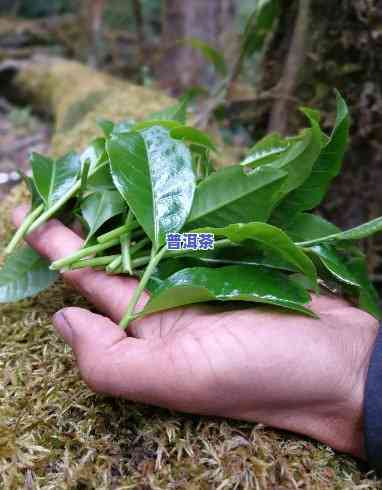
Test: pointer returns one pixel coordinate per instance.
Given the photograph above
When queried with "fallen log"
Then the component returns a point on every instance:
(77, 96)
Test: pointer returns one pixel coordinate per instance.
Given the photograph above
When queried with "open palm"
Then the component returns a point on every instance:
(258, 364)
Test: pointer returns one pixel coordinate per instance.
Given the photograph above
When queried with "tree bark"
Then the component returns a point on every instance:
(139, 23)
(293, 64)
(94, 11)
(181, 66)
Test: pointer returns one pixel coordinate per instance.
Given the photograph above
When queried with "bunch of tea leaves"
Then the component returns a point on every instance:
(143, 183)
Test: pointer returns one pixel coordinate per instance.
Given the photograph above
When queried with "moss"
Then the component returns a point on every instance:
(80, 108)
(56, 434)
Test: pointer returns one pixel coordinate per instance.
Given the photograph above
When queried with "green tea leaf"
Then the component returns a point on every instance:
(23, 275)
(368, 296)
(246, 254)
(99, 207)
(95, 152)
(229, 195)
(232, 283)
(153, 172)
(149, 123)
(101, 179)
(266, 150)
(334, 263)
(193, 135)
(106, 126)
(325, 169)
(357, 233)
(54, 178)
(271, 238)
(307, 226)
(299, 158)
(36, 199)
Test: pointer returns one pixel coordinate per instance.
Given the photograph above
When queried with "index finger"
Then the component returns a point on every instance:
(109, 293)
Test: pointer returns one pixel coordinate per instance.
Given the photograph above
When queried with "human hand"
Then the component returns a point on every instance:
(259, 364)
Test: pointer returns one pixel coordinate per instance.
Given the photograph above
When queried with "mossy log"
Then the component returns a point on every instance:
(77, 96)
(54, 433)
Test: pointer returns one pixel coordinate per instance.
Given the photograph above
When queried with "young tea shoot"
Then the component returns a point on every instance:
(154, 207)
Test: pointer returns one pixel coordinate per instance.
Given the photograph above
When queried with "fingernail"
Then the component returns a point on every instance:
(63, 326)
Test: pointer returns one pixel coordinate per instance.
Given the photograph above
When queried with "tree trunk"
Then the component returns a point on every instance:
(181, 66)
(141, 38)
(94, 15)
(292, 69)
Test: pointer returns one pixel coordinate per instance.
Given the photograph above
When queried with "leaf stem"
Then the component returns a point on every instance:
(23, 230)
(154, 260)
(118, 232)
(114, 264)
(139, 245)
(93, 262)
(84, 175)
(125, 246)
(52, 210)
(83, 252)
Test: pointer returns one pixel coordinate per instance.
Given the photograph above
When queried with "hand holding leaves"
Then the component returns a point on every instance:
(139, 183)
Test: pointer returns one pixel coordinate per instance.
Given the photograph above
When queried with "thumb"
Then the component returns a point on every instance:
(108, 360)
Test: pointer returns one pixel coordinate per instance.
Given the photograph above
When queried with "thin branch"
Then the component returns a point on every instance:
(139, 23)
(294, 61)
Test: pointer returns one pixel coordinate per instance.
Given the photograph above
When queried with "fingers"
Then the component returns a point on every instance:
(110, 362)
(108, 293)
(325, 302)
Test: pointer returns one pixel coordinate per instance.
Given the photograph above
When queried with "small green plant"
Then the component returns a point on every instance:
(142, 183)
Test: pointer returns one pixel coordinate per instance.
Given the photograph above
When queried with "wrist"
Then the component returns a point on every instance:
(346, 419)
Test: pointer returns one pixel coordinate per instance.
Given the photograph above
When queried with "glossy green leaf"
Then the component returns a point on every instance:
(306, 226)
(149, 123)
(368, 296)
(106, 126)
(334, 263)
(210, 53)
(270, 237)
(266, 150)
(244, 255)
(153, 172)
(358, 233)
(95, 152)
(23, 275)
(54, 178)
(193, 135)
(36, 199)
(299, 158)
(230, 195)
(325, 169)
(202, 163)
(99, 207)
(232, 283)
(101, 179)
